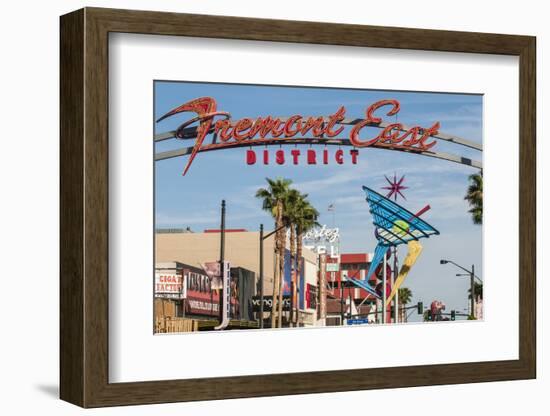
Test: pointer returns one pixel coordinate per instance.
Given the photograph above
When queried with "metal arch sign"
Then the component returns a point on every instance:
(299, 129)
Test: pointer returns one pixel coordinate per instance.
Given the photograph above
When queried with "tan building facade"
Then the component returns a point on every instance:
(242, 249)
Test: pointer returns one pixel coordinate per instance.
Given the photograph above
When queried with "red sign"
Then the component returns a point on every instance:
(202, 299)
(170, 284)
(273, 130)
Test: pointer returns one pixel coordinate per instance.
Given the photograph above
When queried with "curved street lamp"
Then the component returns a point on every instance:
(473, 276)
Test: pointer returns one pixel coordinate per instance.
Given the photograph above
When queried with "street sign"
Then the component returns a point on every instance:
(333, 267)
(358, 321)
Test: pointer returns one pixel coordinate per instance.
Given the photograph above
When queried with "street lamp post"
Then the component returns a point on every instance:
(472, 293)
(222, 254)
(384, 283)
(472, 275)
(262, 238)
(261, 276)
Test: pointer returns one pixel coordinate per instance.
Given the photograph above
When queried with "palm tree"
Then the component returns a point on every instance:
(478, 291)
(273, 198)
(474, 196)
(299, 217)
(405, 295)
(291, 213)
(306, 222)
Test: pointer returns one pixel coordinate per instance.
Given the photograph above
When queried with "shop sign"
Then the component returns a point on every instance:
(311, 296)
(268, 303)
(169, 284)
(323, 240)
(200, 306)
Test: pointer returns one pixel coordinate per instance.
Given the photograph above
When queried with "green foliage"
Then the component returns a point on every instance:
(297, 210)
(291, 210)
(405, 295)
(276, 192)
(478, 290)
(474, 196)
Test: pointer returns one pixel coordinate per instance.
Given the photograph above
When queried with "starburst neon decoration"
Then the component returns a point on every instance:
(395, 188)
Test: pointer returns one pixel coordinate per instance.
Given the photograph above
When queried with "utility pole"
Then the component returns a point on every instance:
(222, 254)
(273, 300)
(350, 303)
(394, 278)
(473, 276)
(342, 302)
(384, 282)
(322, 289)
(261, 276)
(472, 294)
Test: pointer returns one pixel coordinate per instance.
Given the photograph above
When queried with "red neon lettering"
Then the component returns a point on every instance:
(432, 131)
(311, 157)
(339, 156)
(313, 123)
(295, 153)
(242, 125)
(205, 108)
(271, 129)
(250, 157)
(277, 129)
(293, 120)
(333, 119)
(280, 157)
(222, 128)
(370, 120)
(382, 103)
(262, 127)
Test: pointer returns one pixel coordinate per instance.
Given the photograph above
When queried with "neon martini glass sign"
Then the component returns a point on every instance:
(274, 130)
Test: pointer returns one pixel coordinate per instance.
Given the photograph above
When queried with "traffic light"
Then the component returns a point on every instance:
(420, 307)
(429, 315)
(453, 315)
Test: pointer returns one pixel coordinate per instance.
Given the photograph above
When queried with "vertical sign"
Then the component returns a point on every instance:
(226, 295)
(322, 287)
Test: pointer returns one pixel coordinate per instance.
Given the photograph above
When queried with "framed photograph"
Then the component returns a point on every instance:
(254, 207)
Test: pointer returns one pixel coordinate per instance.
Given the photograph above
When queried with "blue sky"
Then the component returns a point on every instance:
(193, 200)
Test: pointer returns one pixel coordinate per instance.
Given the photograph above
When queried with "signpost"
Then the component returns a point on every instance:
(225, 296)
(225, 291)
